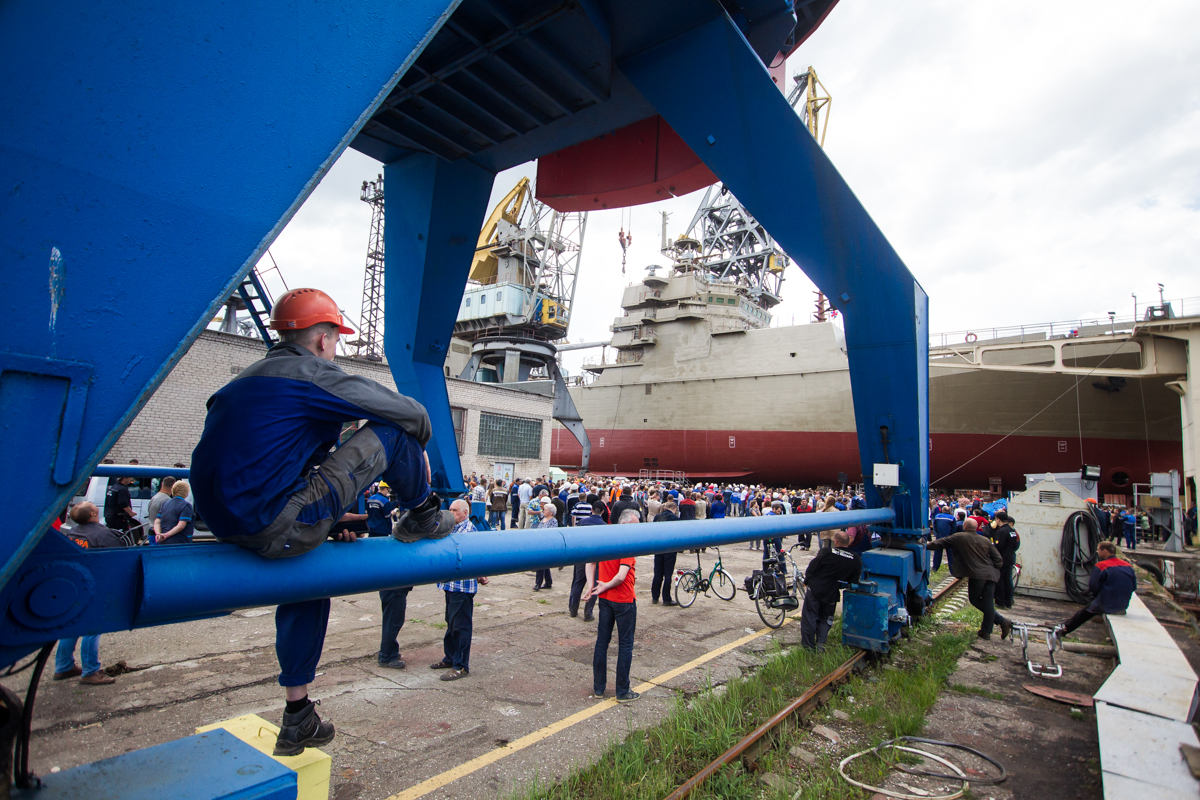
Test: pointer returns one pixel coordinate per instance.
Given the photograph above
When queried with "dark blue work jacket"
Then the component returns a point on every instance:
(269, 426)
(1112, 583)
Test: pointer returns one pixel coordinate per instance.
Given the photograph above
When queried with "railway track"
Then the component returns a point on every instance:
(758, 741)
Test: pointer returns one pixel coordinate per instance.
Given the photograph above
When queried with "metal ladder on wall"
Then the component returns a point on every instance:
(258, 300)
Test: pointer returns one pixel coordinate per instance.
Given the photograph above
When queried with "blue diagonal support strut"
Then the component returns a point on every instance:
(756, 144)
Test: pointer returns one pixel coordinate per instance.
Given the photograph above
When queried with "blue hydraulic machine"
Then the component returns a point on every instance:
(155, 150)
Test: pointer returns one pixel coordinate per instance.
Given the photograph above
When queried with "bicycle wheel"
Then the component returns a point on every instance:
(771, 617)
(723, 585)
(686, 590)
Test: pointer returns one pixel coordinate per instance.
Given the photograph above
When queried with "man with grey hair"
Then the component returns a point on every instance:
(618, 608)
(460, 608)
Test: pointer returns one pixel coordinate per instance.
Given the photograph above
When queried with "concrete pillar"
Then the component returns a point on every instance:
(1189, 412)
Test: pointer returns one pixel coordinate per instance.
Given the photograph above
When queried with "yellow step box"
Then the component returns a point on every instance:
(312, 767)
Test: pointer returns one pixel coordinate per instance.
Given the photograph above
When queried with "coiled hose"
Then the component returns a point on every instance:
(1079, 556)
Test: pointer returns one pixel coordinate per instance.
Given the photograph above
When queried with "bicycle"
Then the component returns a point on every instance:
(692, 582)
(774, 591)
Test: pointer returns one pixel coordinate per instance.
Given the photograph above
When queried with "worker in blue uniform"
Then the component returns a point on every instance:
(944, 525)
(264, 476)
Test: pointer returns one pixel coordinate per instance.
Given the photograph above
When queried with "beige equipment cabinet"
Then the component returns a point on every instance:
(1040, 512)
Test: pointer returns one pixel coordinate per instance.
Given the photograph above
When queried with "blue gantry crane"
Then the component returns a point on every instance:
(151, 152)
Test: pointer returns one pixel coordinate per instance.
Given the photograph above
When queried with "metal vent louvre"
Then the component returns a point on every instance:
(1053, 498)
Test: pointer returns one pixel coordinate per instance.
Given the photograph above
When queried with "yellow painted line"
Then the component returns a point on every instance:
(466, 768)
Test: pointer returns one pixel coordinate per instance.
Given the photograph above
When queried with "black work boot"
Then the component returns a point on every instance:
(426, 521)
(302, 729)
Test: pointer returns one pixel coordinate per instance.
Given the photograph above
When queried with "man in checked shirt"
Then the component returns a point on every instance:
(460, 608)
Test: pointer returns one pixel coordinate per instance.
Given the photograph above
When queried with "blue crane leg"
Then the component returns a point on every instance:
(436, 210)
(150, 153)
(64, 591)
(756, 144)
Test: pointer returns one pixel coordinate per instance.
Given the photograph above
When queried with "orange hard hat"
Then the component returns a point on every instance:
(303, 308)
(1090, 500)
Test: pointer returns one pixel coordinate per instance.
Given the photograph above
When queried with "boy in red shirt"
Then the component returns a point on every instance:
(618, 606)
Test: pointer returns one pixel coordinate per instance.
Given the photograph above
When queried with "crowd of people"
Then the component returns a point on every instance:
(274, 485)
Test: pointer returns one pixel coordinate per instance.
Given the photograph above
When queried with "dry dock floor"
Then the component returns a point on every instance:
(531, 669)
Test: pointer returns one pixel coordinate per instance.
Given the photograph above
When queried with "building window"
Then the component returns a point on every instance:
(482, 299)
(459, 417)
(468, 302)
(510, 437)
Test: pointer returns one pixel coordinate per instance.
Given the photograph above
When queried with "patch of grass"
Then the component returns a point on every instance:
(544, 602)
(887, 703)
(962, 688)
(1078, 715)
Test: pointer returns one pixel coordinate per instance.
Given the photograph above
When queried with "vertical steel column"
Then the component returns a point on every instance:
(437, 208)
(756, 144)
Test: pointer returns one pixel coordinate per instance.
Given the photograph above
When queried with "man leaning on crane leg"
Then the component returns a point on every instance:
(264, 477)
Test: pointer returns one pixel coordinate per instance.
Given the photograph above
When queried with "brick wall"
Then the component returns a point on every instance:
(168, 427)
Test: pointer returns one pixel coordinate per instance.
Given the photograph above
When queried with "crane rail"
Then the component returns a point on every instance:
(802, 706)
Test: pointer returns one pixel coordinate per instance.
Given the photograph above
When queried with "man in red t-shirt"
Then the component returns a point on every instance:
(618, 607)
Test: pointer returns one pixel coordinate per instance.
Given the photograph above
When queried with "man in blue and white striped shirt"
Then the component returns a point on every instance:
(460, 608)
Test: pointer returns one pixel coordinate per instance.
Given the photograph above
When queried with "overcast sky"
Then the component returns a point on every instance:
(1029, 161)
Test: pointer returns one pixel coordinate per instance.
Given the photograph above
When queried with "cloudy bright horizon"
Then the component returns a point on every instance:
(1030, 162)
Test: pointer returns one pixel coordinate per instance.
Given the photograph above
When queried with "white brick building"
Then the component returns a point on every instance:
(511, 427)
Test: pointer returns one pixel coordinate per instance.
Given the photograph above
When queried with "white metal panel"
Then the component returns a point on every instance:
(1142, 689)
(1040, 524)
(1140, 756)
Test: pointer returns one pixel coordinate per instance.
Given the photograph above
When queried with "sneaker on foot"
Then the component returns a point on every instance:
(71, 673)
(628, 697)
(987, 637)
(588, 618)
(455, 674)
(596, 695)
(395, 663)
(302, 729)
(427, 521)
(441, 665)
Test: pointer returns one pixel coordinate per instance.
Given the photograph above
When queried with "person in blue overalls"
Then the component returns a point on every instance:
(264, 477)
(944, 525)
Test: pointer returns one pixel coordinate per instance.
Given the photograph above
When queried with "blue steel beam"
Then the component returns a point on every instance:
(65, 591)
(436, 210)
(756, 144)
(147, 140)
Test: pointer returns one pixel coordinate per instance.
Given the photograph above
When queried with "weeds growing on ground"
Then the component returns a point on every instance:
(882, 704)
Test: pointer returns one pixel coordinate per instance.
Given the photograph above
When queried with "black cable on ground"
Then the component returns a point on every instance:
(941, 775)
(1079, 557)
(23, 778)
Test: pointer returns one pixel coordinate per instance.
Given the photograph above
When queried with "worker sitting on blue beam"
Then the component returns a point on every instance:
(264, 477)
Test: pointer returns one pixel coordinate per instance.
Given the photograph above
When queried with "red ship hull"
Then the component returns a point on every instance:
(806, 458)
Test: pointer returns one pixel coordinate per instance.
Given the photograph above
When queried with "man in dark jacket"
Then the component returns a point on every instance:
(1112, 583)
(977, 560)
(626, 501)
(824, 576)
(264, 477)
(1005, 537)
(664, 563)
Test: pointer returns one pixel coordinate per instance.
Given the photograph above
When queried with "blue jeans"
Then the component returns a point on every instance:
(394, 603)
(496, 520)
(89, 654)
(456, 644)
(1130, 537)
(300, 627)
(624, 616)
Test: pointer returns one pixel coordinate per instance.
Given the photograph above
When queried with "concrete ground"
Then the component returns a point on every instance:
(530, 667)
